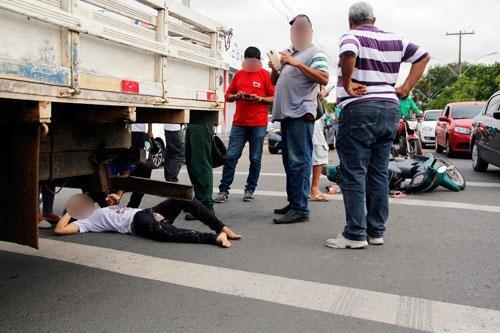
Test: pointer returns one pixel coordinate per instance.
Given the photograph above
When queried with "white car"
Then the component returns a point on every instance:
(428, 127)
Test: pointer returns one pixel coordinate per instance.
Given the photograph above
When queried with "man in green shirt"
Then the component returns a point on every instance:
(407, 106)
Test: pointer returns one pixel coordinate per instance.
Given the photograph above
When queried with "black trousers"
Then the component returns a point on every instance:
(48, 193)
(175, 148)
(145, 225)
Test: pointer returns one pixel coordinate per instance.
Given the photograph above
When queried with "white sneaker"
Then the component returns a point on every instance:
(342, 243)
(44, 224)
(376, 241)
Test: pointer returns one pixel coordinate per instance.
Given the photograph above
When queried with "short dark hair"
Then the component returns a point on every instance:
(301, 16)
(252, 52)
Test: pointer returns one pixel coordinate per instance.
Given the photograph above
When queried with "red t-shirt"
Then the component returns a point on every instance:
(258, 83)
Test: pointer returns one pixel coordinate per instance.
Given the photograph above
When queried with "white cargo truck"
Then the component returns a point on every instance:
(74, 74)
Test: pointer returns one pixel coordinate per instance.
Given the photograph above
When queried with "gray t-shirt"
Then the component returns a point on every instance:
(112, 218)
(295, 94)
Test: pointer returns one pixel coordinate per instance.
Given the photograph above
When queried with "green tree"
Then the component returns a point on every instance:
(441, 86)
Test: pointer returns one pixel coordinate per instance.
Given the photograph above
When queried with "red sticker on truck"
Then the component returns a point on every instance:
(210, 96)
(130, 86)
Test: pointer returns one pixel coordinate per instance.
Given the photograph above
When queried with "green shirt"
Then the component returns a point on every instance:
(406, 105)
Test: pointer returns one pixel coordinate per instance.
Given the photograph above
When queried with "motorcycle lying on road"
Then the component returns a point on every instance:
(425, 173)
(407, 142)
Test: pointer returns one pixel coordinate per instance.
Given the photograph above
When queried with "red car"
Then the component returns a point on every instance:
(454, 127)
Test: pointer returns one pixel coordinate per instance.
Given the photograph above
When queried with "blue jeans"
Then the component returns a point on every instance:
(239, 136)
(364, 138)
(297, 159)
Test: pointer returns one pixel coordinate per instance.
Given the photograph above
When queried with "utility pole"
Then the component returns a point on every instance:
(460, 33)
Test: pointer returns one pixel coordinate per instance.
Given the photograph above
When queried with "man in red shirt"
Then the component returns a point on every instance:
(252, 90)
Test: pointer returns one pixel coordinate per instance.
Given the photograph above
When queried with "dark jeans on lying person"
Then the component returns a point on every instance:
(297, 160)
(239, 136)
(364, 138)
(175, 151)
(146, 225)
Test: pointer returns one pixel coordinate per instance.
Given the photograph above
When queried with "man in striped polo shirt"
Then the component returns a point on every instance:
(369, 65)
(303, 69)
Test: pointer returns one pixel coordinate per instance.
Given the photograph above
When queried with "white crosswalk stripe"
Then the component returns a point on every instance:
(282, 174)
(400, 201)
(400, 310)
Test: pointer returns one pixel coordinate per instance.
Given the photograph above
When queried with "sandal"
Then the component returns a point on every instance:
(320, 198)
(398, 194)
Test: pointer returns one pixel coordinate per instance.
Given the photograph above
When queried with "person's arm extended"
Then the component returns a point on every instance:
(63, 227)
(347, 63)
(315, 75)
(232, 97)
(416, 71)
(414, 107)
(267, 100)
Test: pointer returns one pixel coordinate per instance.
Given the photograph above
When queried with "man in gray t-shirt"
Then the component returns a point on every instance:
(303, 69)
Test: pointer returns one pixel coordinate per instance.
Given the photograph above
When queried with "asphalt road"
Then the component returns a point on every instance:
(438, 271)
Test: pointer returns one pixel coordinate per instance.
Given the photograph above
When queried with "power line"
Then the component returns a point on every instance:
(285, 16)
(288, 7)
(493, 14)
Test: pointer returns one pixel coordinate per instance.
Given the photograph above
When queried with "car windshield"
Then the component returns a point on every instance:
(432, 115)
(467, 111)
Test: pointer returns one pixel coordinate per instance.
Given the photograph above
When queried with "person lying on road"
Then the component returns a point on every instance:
(154, 223)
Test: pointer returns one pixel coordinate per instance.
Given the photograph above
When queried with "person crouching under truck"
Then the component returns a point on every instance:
(155, 223)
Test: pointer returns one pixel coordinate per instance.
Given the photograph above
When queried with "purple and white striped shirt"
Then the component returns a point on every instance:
(378, 57)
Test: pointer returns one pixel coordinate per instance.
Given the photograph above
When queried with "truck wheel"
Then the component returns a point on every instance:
(478, 164)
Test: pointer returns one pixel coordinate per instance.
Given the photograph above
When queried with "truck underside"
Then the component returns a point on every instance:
(65, 120)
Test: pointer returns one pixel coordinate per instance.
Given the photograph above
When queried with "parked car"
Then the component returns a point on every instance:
(454, 127)
(274, 138)
(428, 127)
(486, 135)
(156, 156)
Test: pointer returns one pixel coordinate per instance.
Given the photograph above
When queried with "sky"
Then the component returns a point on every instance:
(263, 23)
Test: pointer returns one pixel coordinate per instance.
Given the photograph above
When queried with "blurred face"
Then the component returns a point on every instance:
(252, 65)
(301, 34)
(80, 207)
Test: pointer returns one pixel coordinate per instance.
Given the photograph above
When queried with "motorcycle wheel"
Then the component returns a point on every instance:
(453, 173)
(415, 148)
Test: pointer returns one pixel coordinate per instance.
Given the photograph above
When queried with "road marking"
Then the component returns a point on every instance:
(401, 201)
(282, 174)
(403, 311)
(483, 184)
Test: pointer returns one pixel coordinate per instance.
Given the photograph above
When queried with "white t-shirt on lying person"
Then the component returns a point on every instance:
(113, 218)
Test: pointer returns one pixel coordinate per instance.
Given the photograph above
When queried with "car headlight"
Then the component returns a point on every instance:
(462, 130)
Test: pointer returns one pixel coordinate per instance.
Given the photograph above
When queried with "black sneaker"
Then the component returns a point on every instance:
(282, 211)
(248, 196)
(292, 217)
(221, 197)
